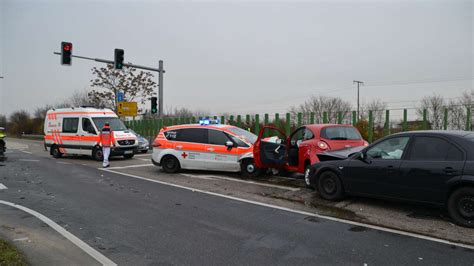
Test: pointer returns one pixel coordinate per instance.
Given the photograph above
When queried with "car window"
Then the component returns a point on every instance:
(70, 125)
(297, 136)
(217, 137)
(308, 134)
(238, 141)
(87, 126)
(390, 149)
(248, 136)
(340, 133)
(434, 149)
(196, 135)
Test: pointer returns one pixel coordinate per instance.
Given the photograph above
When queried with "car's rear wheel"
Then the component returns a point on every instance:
(330, 186)
(461, 206)
(170, 164)
(249, 169)
(97, 154)
(56, 152)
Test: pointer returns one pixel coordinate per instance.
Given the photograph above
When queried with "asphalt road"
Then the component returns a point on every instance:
(138, 222)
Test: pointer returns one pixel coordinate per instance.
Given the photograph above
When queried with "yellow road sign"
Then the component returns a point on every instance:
(127, 109)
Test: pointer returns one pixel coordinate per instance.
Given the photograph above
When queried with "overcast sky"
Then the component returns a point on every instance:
(242, 56)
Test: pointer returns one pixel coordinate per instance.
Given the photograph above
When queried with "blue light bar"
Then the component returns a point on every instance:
(206, 122)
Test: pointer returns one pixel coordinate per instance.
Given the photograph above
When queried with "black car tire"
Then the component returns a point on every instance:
(330, 186)
(461, 206)
(170, 164)
(144, 151)
(97, 154)
(128, 156)
(248, 168)
(56, 152)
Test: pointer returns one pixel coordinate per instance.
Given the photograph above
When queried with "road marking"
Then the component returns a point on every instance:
(28, 160)
(243, 181)
(142, 155)
(375, 227)
(130, 166)
(21, 239)
(63, 163)
(199, 177)
(2, 186)
(74, 239)
(146, 160)
(27, 152)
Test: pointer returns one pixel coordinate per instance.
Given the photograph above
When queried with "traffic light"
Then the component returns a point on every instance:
(66, 53)
(154, 105)
(118, 58)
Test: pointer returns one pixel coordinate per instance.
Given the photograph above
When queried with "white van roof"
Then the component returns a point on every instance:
(88, 111)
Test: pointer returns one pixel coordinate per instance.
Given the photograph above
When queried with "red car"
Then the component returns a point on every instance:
(299, 151)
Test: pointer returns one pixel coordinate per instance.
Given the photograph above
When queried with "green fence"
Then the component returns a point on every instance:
(369, 127)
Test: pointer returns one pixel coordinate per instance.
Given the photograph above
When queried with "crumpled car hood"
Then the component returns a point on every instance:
(339, 154)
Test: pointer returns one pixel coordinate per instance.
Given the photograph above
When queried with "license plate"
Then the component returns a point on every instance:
(128, 152)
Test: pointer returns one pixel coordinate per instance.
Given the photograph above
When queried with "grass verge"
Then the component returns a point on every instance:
(9, 255)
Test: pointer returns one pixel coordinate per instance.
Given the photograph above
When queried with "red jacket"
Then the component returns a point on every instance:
(107, 137)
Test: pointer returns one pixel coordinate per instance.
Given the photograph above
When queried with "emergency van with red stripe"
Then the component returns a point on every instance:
(76, 131)
(205, 146)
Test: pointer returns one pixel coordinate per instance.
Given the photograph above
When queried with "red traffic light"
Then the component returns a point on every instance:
(67, 47)
(66, 53)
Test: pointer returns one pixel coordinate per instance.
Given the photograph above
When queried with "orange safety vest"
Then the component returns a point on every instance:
(107, 137)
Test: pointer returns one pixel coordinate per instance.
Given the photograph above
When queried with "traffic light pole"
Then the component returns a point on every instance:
(160, 71)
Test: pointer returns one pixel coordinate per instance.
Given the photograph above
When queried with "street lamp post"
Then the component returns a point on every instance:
(358, 96)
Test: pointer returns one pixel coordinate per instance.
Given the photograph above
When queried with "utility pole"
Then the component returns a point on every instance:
(160, 87)
(358, 97)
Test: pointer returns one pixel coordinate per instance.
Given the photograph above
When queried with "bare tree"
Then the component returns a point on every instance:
(136, 85)
(20, 122)
(434, 105)
(377, 107)
(321, 104)
(457, 115)
(3, 121)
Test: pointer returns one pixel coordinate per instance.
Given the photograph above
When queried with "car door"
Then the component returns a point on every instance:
(190, 147)
(296, 139)
(374, 174)
(89, 136)
(270, 149)
(433, 161)
(69, 137)
(221, 157)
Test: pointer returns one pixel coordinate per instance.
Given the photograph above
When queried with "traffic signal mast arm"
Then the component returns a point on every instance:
(112, 62)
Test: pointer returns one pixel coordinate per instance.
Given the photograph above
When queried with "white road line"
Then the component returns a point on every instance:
(75, 240)
(142, 155)
(198, 177)
(27, 152)
(28, 160)
(125, 167)
(146, 160)
(375, 227)
(63, 163)
(2, 186)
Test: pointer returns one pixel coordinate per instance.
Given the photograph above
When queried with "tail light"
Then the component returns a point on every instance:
(323, 145)
(366, 143)
(156, 144)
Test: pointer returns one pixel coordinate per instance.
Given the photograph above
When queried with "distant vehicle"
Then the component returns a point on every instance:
(300, 150)
(76, 131)
(435, 167)
(2, 144)
(205, 146)
(143, 143)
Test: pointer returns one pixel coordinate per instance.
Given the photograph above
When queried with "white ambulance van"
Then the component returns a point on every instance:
(76, 131)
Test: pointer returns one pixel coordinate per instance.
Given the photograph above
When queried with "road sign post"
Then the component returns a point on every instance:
(127, 109)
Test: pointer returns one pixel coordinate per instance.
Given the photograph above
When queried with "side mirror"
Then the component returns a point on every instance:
(363, 157)
(278, 141)
(229, 144)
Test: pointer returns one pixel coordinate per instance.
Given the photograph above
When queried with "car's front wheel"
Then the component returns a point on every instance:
(330, 186)
(461, 206)
(170, 164)
(144, 151)
(56, 152)
(128, 156)
(248, 168)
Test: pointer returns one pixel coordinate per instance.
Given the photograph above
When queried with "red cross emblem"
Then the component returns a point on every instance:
(184, 155)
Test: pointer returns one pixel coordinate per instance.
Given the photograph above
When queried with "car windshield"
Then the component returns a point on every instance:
(115, 123)
(340, 133)
(246, 135)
